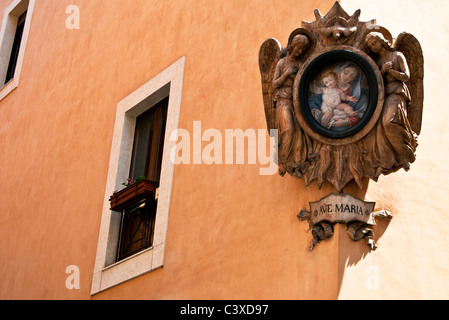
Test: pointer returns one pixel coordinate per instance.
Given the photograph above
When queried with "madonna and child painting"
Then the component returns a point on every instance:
(338, 96)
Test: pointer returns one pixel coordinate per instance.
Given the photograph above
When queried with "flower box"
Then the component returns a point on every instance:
(132, 194)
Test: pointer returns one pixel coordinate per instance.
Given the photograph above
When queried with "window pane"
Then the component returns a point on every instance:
(160, 147)
(137, 228)
(15, 48)
(142, 143)
(149, 142)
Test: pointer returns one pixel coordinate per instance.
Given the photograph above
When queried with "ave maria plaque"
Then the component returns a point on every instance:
(342, 208)
(357, 214)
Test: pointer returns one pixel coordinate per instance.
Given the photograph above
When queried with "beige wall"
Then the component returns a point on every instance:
(413, 256)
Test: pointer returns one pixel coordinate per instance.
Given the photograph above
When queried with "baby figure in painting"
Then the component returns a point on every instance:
(333, 106)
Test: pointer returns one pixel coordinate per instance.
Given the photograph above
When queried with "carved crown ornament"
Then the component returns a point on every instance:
(347, 102)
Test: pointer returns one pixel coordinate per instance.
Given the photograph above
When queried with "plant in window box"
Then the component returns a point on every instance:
(135, 191)
(130, 181)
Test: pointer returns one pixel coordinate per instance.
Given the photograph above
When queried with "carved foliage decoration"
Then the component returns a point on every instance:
(346, 100)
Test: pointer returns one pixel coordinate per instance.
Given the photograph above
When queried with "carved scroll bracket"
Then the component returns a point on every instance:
(358, 215)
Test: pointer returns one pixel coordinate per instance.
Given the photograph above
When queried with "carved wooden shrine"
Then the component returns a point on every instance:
(346, 101)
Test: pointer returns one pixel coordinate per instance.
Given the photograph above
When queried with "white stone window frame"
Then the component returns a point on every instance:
(7, 33)
(107, 272)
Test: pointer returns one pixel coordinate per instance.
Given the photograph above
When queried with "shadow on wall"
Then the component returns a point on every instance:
(340, 247)
(351, 252)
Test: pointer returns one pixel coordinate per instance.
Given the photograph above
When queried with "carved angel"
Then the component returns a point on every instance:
(401, 115)
(278, 69)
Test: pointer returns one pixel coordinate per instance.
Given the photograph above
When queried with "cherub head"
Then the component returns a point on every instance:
(329, 79)
(298, 45)
(376, 42)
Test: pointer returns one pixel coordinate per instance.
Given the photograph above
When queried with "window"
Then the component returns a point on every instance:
(13, 37)
(15, 48)
(132, 238)
(137, 222)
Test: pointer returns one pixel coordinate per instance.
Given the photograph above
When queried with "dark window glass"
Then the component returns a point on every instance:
(149, 142)
(15, 48)
(137, 228)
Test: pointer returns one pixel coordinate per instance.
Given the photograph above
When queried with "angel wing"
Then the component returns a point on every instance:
(410, 47)
(269, 55)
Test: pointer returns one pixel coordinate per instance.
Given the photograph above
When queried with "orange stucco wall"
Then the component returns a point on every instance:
(232, 233)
